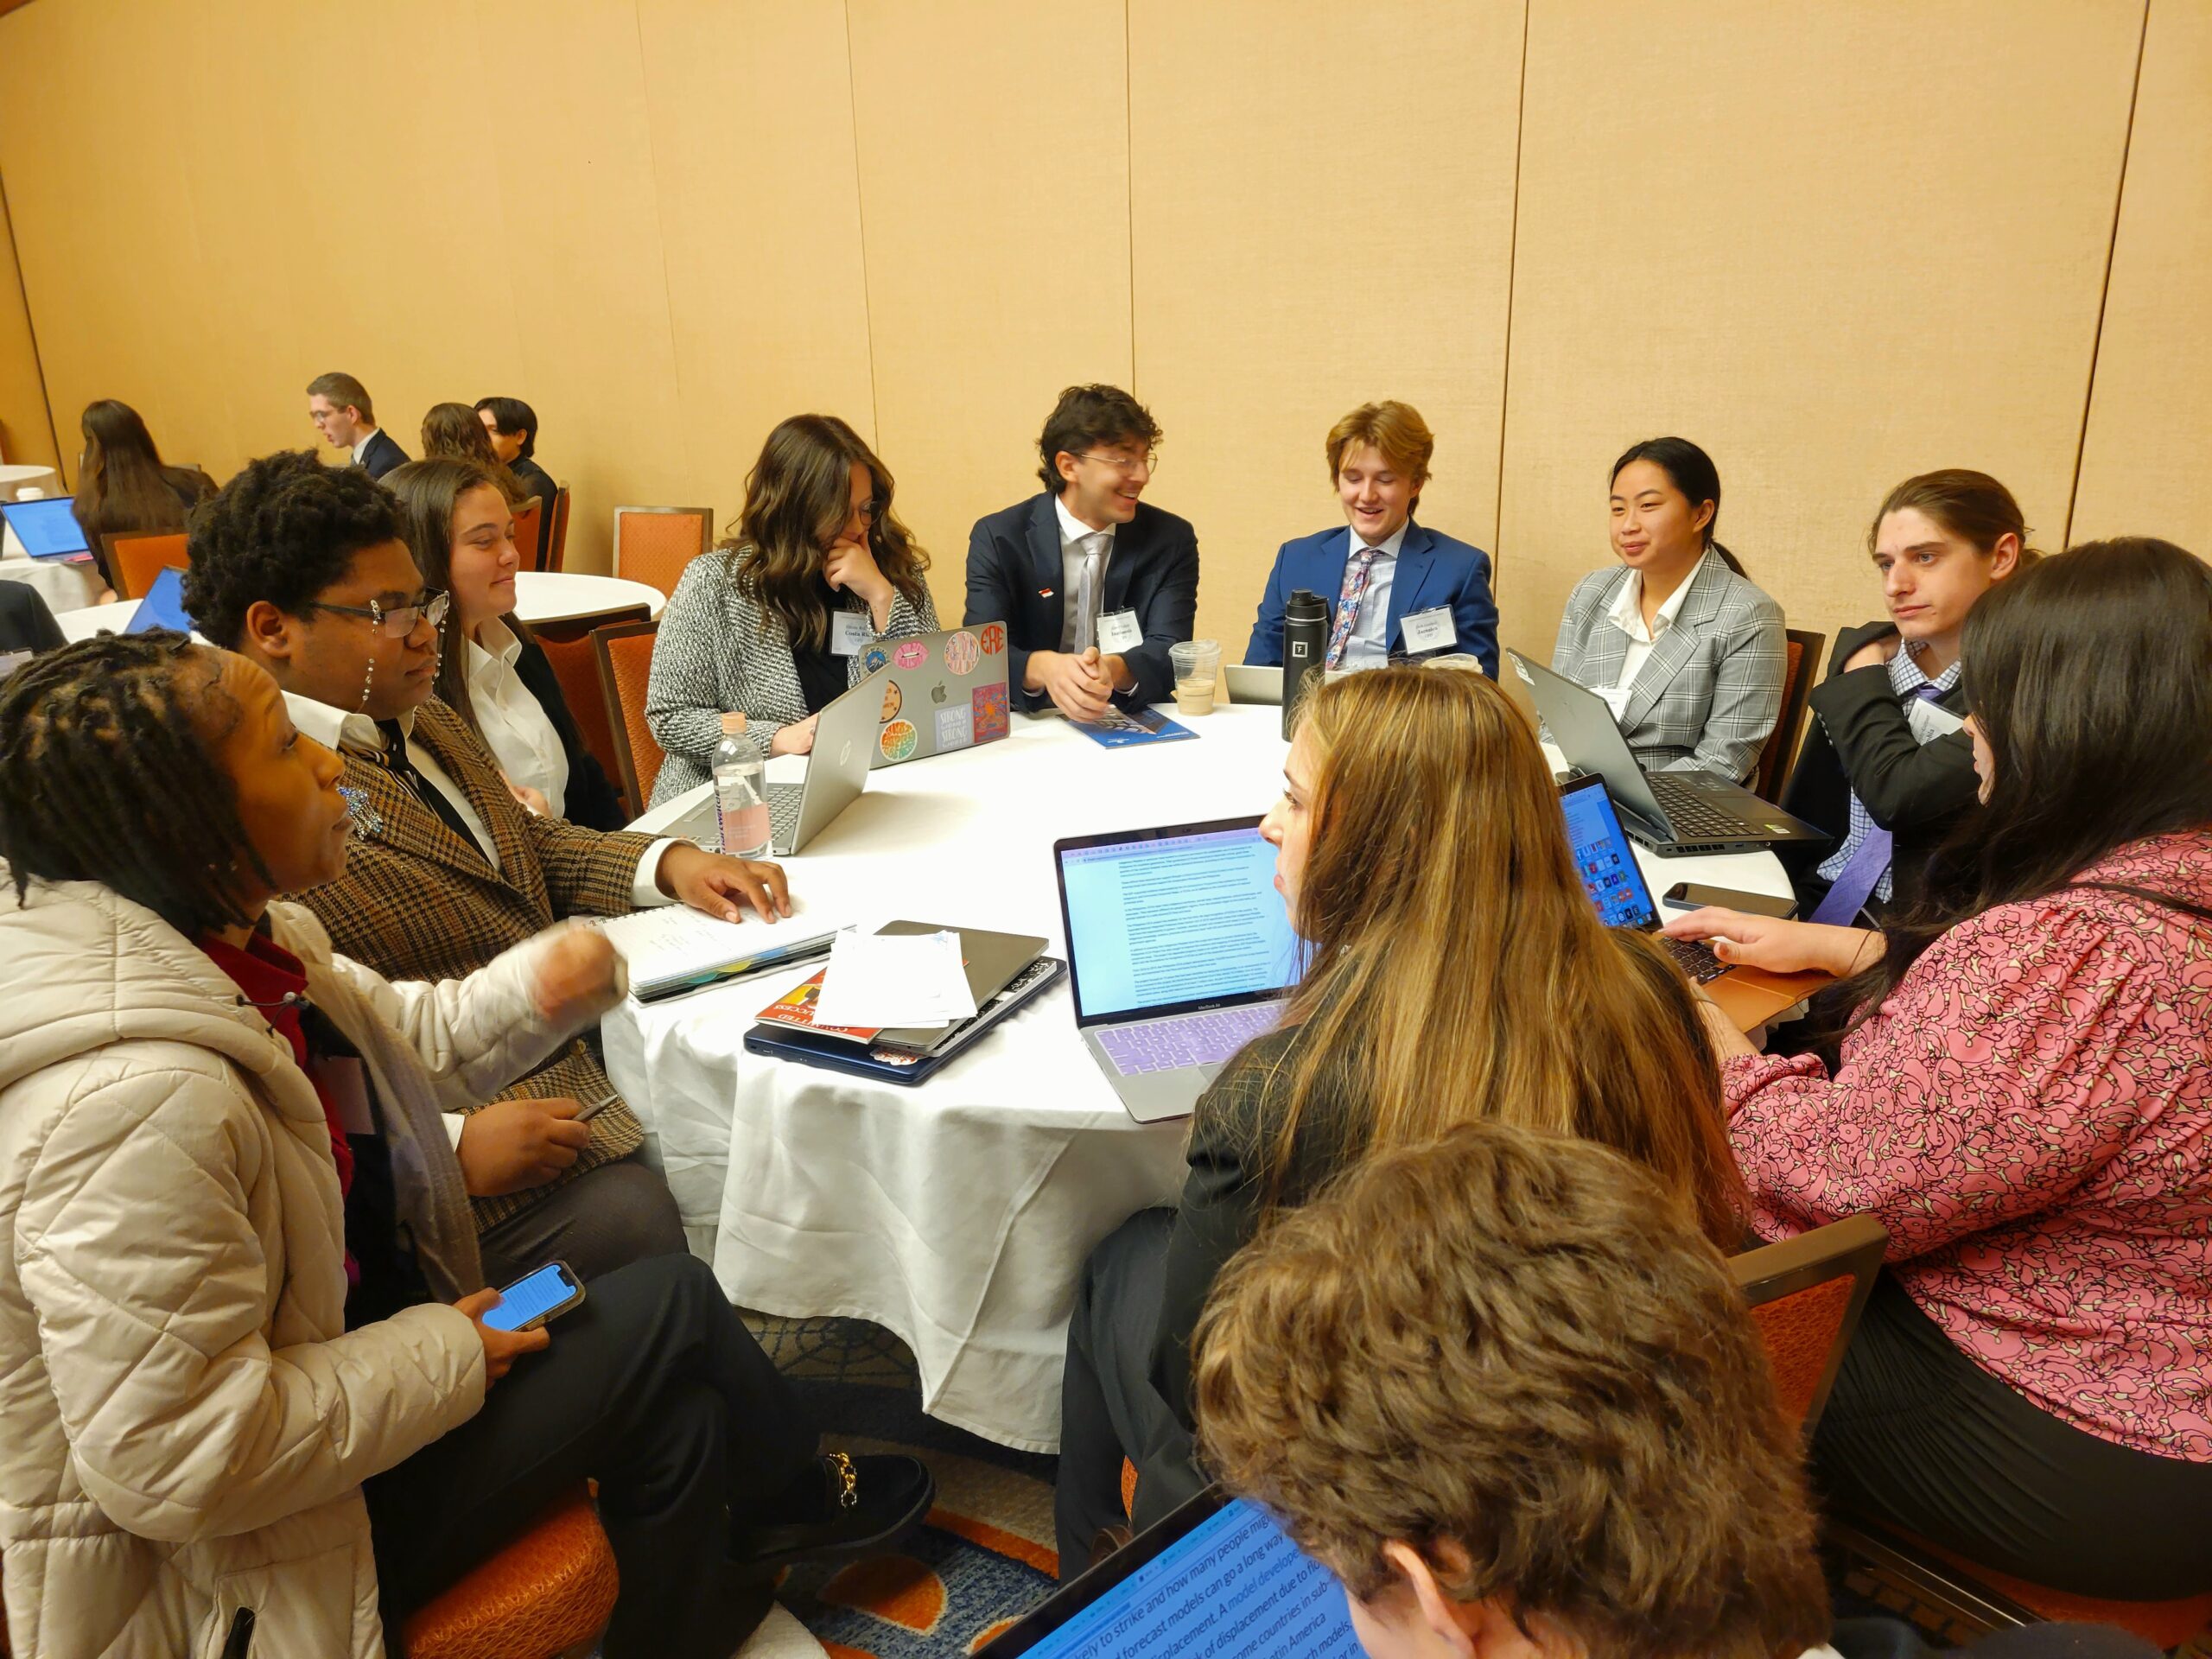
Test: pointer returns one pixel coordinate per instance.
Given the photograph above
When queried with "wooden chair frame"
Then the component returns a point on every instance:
(557, 531)
(1781, 751)
(616, 718)
(706, 515)
(1853, 1246)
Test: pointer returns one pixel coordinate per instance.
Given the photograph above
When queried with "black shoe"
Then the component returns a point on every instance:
(851, 1507)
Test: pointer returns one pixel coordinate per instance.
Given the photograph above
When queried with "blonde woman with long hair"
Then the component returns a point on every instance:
(1456, 969)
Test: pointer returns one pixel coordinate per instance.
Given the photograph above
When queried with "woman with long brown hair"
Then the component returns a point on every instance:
(1456, 969)
(455, 432)
(753, 628)
(122, 483)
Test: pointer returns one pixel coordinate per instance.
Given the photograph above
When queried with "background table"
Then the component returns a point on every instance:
(958, 1213)
(63, 585)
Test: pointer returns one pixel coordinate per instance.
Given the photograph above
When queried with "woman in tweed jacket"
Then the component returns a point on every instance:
(1690, 656)
(754, 627)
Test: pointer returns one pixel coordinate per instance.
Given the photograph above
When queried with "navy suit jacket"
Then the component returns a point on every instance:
(1014, 577)
(1433, 570)
(383, 454)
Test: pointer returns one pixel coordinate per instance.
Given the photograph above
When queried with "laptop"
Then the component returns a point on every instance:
(941, 692)
(47, 527)
(1216, 1578)
(1254, 684)
(1180, 952)
(164, 606)
(1615, 883)
(1676, 814)
(836, 773)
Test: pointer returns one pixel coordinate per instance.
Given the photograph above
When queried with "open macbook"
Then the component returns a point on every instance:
(836, 773)
(941, 692)
(1179, 951)
(1673, 813)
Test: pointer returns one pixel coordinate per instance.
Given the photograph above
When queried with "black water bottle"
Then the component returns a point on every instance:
(1304, 648)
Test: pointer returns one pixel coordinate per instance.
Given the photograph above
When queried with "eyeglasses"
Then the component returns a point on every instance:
(1127, 468)
(402, 620)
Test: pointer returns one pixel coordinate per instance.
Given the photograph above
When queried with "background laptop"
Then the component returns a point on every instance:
(1179, 951)
(1255, 682)
(1615, 883)
(836, 773)
(164, 606)
(941, 692)
(1674, 813)
(47, 527)
(1170, 1594)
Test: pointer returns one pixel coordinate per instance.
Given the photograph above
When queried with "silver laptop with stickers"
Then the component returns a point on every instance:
(941, 692)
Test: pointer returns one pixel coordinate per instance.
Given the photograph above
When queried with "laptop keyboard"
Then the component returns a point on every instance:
(783, 802)
(1693, 957)
(1185, 1038)
(1693, 816)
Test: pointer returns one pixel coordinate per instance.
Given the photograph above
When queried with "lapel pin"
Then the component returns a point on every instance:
(1044, 592)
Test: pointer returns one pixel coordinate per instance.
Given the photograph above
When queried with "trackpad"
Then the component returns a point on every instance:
(1211, 1069)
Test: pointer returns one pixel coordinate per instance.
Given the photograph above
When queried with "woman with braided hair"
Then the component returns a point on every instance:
(244, 1362)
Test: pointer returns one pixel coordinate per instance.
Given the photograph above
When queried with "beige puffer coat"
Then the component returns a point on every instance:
(185, 1422)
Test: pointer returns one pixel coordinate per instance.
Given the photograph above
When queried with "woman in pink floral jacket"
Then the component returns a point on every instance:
(2025, 1100)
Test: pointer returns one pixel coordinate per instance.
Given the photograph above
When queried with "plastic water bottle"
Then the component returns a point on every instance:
(741, 791)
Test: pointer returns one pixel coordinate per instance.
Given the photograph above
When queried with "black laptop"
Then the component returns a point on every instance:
(1676, 814)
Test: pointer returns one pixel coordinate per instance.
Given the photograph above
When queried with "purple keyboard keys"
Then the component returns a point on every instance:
(1185, 1038)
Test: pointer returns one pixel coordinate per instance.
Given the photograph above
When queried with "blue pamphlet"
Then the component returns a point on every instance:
(1121, 727)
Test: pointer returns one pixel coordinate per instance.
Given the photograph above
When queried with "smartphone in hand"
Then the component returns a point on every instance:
(1695, 895)
(536, 1297)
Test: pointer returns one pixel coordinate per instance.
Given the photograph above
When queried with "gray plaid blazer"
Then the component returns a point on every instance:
(719, 650)
(1709, 693)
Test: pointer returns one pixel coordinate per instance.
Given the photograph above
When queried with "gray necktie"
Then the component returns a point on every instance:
(1086, 591)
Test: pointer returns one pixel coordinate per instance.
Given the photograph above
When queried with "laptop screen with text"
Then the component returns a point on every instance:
(48, 528)
(1603, 856)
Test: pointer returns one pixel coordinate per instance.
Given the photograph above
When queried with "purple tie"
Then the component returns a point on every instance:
(1358, 568)
(1856, 880)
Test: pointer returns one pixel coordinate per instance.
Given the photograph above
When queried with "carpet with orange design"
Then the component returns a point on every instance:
(986, 1556)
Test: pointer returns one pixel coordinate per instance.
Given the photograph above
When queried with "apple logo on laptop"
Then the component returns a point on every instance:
(845, 754)
(936, 692)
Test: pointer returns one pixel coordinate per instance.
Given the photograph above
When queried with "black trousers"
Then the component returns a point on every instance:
(606, 1218)
(654, 1388)
(1108, 1409)
(1916, 1433)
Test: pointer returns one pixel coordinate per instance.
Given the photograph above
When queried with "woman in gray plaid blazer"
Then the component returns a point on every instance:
(754, 627)
(1706, 687)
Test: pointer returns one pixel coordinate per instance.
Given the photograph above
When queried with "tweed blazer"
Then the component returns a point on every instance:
(720, 651)
(418, 902)
(1708, 695)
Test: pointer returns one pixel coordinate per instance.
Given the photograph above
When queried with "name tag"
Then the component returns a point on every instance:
(1928, 722)
(1118, 631)
(1616, 698)
(848, 632)
(1430, 631)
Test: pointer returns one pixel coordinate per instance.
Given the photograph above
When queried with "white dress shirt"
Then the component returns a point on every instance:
(1368, 645)
(358, 448)
(511, 721)
(1627, 615)
(1080, 543)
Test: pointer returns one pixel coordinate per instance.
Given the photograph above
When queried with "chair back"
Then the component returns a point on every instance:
(1806, 1294)
(530, 531)
(653, 545)
(134, 557)
(557, 531)
(550, 1590)
(575, 661)
(626, 668)
(1804, 662)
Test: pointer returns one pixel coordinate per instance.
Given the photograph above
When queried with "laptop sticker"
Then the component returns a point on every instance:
(955, 728)
(892, 697)
(874, 657)
(897, 741)
(994, 638)
(961, 653)
(911, 654)
(988, 703)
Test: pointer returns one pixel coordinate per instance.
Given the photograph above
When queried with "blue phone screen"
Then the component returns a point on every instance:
(528, 1297)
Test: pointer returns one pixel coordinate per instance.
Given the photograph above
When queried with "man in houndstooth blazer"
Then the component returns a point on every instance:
(1708, 695)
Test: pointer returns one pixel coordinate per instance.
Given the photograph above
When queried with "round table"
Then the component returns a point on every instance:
(958, 1213)
(540, 596)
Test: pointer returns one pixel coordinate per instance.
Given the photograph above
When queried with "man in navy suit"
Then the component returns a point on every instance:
(1392, 585)
(1093, 585)
(339, 405)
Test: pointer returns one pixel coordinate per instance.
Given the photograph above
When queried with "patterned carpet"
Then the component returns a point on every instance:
(986, 1556)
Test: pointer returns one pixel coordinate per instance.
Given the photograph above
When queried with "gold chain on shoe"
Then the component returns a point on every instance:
(848, 1493)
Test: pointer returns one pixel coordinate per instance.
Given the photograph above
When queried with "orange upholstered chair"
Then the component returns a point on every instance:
(574, 662)
(1806, 1294)
(529, 530)
(134, 558)
(1804, 662)
(653, 545)
(550, 1590)
(625, 665)
(557, 531)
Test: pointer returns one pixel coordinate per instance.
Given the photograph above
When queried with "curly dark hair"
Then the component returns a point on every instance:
(285, 529)
(106, 776)
(1089, 415)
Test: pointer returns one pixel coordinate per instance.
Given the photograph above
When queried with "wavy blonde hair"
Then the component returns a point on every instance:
(1457, 969)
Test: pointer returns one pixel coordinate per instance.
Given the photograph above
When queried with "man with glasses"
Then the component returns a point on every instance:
(303, 569)
(1093, 584)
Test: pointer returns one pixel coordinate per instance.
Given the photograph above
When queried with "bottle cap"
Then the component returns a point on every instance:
(733, 725)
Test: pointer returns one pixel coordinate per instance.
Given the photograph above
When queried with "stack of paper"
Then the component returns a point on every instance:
(895, 979)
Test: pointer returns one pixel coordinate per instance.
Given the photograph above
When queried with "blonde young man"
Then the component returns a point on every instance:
(1392, 585)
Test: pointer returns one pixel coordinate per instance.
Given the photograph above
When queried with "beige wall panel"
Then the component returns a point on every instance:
(1331, 222)
(26, 434)
(1835, 245)
(994, 161)
(2150, 433)
(751, 118)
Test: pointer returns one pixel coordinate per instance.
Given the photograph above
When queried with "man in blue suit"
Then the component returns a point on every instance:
(1393, 585)
(1093, 584)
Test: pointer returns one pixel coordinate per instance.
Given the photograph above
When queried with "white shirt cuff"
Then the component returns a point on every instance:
(456, 1122)
(644, 888)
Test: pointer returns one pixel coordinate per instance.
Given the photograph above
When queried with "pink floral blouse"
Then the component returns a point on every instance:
(2030, 1113)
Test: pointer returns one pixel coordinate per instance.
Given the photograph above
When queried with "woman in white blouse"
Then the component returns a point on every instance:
(491, 672)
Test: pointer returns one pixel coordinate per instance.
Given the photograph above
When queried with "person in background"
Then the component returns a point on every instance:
(511, 425)
(2025, 1100)
(339, 405)
(243, 1316)
(1885, 768)
(452, 432)
(1690, 656)
(304, 571)
(1092, 583)
(491, 672)
(123, 485)
(1385, 567)
(1501, 1386)
(773, 624)
(1456, 969)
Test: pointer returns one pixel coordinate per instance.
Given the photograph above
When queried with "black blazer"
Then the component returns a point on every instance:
(591, 800)
(25, 622)
(1861, 741)
(1014, 577)
(382, 454)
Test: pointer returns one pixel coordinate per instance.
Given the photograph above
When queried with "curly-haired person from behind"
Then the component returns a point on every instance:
(1502, 1387)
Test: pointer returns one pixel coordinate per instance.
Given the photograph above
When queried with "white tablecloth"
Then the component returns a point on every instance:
(64, 586)
(958, 1213)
